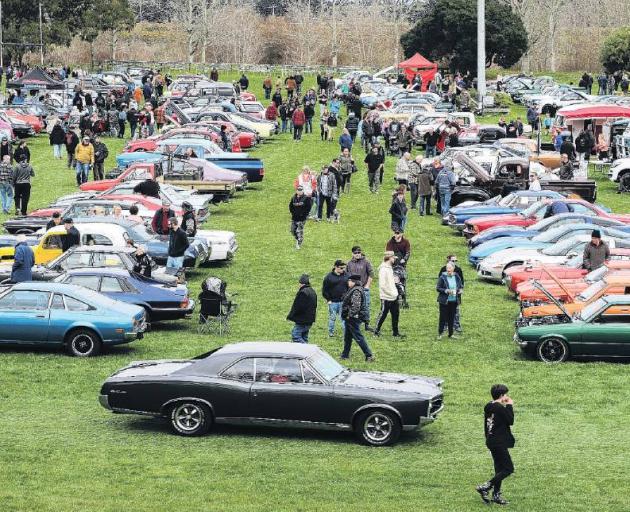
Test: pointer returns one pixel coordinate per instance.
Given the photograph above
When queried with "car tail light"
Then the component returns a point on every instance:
(261, 172)
(184, 304)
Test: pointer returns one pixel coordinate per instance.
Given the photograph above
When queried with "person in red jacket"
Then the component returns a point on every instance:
(271, 113)
(299, 120)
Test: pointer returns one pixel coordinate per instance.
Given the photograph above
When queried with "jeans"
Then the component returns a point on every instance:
(430, 152)
(329, 206)
(283, 126)
(503, 467)
(388, 306)
(98, 171)
(334, 311)
(175, 262)
(366, 306)
(267, 93)
(447, 317)
(83, 170)
(445, 201)
(22, 196)
(456, 324)
(297, 132)
(373, 181)
(299, 333)
(353, 331)
(121, 129)
(6, 196)
(425, 201)
(413, 189)
(308, 127)
(57, 150)
(132, 128)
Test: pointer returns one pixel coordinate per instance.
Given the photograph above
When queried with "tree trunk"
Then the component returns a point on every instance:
(114, 42)
(552, 41)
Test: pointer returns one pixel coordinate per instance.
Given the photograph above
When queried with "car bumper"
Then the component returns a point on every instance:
(130, 336)
(223, 252)
(468, 232)
(489, 273)
(173, 313)
(523, 345)
(104, 401)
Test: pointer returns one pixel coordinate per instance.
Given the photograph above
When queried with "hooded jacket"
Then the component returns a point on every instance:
(304, 308)
(57, 135)
(22, 173)
(23, 262)
(300, 207)
(386, 285)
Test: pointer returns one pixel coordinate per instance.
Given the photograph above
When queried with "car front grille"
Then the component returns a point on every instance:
(452, 219)
(436, 406)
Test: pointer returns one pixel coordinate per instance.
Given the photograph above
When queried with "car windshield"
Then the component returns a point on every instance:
(325, 365)
(531, 210)
(139, 234)
(552, 235)
(592, 309)
(560, 248)
(592, 291)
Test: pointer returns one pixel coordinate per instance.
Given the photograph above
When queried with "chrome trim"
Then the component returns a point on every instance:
(376, 406)
(183, 398)
(133, 411)
(104, 401)
(286, 423)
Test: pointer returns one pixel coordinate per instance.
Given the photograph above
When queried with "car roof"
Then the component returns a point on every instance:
(104, 220)
(101, 248)
(539, 193)
(48, 286)
(110, 271)
(269, 348)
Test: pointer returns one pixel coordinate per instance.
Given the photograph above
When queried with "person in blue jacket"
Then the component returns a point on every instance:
(23, 262)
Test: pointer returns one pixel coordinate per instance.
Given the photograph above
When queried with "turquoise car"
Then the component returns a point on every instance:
(80, 320)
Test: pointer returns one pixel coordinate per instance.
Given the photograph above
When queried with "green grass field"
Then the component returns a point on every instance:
(60, 451)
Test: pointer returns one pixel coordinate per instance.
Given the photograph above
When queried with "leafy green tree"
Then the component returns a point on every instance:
(615, 52)
(447, 30)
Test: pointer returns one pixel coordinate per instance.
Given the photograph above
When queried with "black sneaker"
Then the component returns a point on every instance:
(344, 357)
(498, 499)
(484, 492)
(401, 336)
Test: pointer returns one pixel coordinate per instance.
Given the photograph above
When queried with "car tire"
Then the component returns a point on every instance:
(377, 427)
(190, 418)
(552, 350)
(83, 343)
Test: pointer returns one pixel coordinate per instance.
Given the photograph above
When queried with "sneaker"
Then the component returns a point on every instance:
(344, 357)
(439, 336)
(298, 245)
(376, 333)
(498, 499)
(331, 334)
(484, 492)
(369, 359)
(401, 336)
(368, 328)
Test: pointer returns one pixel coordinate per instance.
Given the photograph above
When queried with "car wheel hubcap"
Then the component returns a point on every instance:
(188, 417)
(552, 351)
(83, 344)
(378, 427)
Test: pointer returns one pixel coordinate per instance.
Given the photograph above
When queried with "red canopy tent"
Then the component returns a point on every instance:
(418, 65)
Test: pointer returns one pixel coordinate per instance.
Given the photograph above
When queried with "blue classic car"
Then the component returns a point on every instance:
(512, 203)
(73, 317)
(542, 240)
(160, 301)
(541, 226)
(204, 149)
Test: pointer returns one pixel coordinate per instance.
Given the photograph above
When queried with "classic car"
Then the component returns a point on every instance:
(207, 133)
(572, 269)
(609, 285)
(481, 134)
(21, 113)
(72, 317)
(271, 383)
(529, 148)
(160, 301)
(542, 240)
(422, 122)
(601, 329)
(512, 203)
(550, 104)
(254, 108)
(86, 256)
(536, 212)
(19, 128)
(493, 267)
(262, 127)
(565, 290)
(540, 227)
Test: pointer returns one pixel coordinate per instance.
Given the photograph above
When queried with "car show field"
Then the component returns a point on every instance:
(61, 451)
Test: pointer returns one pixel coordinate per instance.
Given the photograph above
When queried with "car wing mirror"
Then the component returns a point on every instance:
(572, 255)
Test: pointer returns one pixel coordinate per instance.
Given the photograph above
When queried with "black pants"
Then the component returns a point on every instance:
(297, 132)
(121, 129)
(447, 317)
(438, 205)
(345, 182)
(372, 181)
(329, 206)
(388, 306)
(413, 189)
(503, 467)
(98, 171)
(22, 195)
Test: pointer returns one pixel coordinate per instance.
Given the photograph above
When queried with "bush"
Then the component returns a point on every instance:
(502, 100)
(615, 52)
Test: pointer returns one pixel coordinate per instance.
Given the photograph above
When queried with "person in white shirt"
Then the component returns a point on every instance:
(389, 295)
(534, 182)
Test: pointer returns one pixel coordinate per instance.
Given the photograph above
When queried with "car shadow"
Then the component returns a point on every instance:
(107, 350)
(146, 425)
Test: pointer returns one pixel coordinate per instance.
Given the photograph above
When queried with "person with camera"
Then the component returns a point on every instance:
(449, 288)
(498, 418)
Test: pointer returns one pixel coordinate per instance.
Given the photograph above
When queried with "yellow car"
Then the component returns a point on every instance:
(47, 249)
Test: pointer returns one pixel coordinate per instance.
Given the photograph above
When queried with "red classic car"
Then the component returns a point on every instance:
(518, 274)
(536, 212)
(137, 171)
(151, 143)
(246, 139)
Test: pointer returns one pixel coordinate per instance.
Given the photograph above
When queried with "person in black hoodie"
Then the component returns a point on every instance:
(177, 245)
(303, 311)
(498, 418)
(57, 138)
(398, 210)
(299, 207)
(71, 141)
(334, 287)
(100, 155)
(189, 220)
(22, 153)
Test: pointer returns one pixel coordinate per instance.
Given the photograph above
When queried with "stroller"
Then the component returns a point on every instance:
(400, 271)
(216, 308)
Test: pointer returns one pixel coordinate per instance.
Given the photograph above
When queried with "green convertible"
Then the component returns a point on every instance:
(601, 329)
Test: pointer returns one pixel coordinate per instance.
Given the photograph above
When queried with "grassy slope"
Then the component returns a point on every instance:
(59, 451)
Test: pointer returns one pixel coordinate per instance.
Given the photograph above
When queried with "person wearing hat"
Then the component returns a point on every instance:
(334, 287)
(6, 149)
(388, 293)
(398, 209)
(374, 161)
(303, 311)
(72, 236)
(23, 261)
(177, 244)
(299, 207)
(596, 252)
(449, 288)
(84, 157)
(159, 223)
(400, 246)
(353, 313)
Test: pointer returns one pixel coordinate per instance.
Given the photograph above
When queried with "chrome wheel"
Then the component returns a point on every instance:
(83, 343)
(378, 427)
(553, 350)
(188, 417)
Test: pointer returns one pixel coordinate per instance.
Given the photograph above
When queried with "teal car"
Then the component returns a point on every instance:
(61, 315)
(601, 329)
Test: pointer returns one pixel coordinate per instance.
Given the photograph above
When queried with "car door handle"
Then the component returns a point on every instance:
(40, 316)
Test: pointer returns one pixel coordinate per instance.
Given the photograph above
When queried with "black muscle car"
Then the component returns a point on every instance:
(274, 383)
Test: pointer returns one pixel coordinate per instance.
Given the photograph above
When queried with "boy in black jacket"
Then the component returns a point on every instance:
(299, 207)
(499, 417)
(303, 311)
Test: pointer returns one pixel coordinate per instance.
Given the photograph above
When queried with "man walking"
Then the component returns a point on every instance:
(352, 311)
(22, 174)
(596, 252)
(6, 183)
(425, 180)
(326, 193)
(445, 182)
(452, 259)
(177, 245)
(498, 418)
(299, 207)
(375, 162)
(84, 157)
(303, 310)
(361, 266)
(334, 287)
(388, 293)
(23, 261)
(430, 142)
(100, 155)
(298, 119)
(402, 169)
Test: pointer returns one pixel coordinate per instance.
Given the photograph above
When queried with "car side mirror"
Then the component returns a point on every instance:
(572, 255)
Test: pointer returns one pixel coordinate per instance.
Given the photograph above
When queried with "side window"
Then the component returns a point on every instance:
(76, 305)
(76, 260)
(53, 242)
(107, 260)
(278, 370)
(111, 284)
(242, 371)
(25, 300)
(90, 282)
(57, 302)
(95, 239)
(580, 208)
(309, 376)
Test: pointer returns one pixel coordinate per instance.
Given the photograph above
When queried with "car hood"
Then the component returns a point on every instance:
(483, 210)
(393, 382)
(149, 369)
(495, 219)
(516, 253)
(501, 244)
